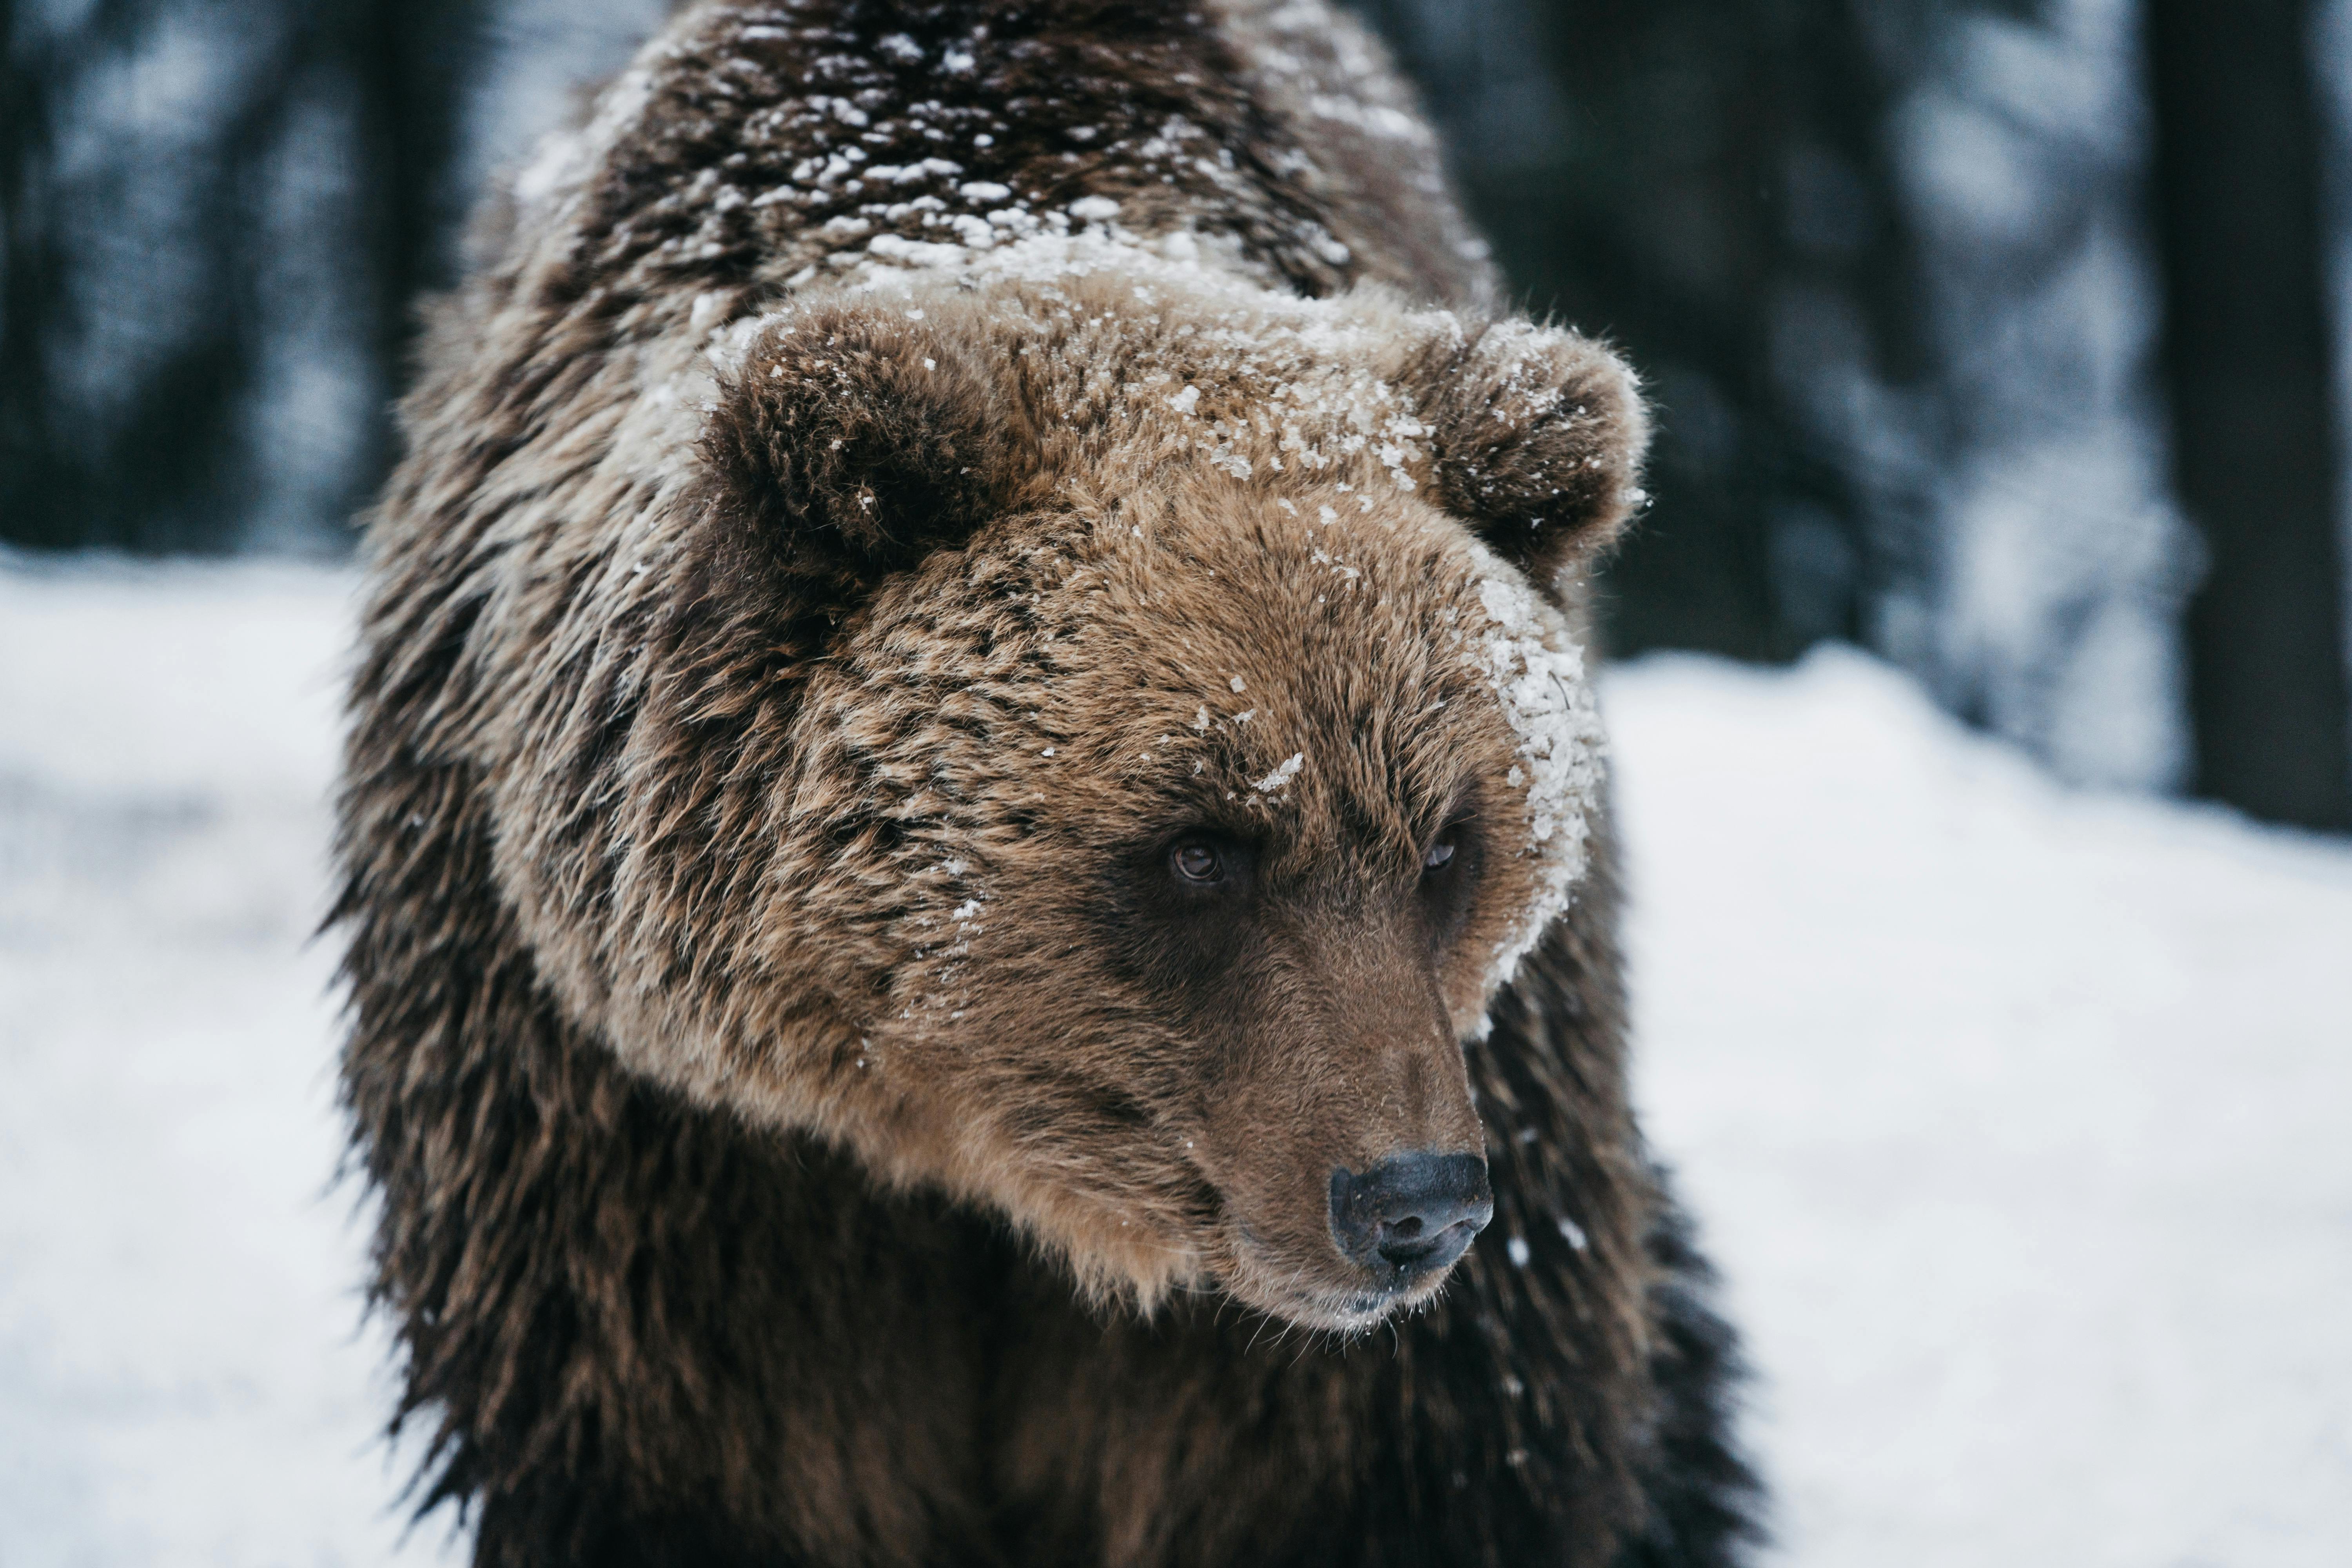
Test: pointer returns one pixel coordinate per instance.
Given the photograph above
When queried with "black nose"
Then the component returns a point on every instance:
(1413, 1214)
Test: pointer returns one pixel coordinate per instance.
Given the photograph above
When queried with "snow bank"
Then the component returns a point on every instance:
(2014, 1115)
(181, 1377)
(2018, 1118)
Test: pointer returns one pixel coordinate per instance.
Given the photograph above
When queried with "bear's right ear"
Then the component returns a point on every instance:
(854, 442)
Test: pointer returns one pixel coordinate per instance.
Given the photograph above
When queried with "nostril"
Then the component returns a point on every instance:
(1412, 1213)
(1435, 1251)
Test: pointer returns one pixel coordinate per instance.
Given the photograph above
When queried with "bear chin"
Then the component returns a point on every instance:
(1265, 1287)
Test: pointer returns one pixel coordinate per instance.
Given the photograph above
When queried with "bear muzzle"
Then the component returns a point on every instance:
(1411, 1215)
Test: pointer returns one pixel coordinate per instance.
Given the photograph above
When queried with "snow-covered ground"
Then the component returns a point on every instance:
(182, 1378)
(2020, 1121)
(2018, 1118)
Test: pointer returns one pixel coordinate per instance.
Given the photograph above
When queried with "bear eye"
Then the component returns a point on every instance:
(1439, 855)
(1198, 862)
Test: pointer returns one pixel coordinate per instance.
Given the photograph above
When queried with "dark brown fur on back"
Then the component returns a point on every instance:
(797, 1140)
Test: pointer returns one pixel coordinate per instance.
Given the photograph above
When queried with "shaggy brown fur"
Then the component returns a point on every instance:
(913, 480)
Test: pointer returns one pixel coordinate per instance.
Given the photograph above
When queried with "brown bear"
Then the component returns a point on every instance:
(974, 848)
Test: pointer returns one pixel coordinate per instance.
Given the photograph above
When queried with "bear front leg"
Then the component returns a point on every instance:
(723, 1348)
(670, 1343)
(640, 1333)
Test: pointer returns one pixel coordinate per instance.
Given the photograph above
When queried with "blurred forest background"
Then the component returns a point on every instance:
(2005, 338)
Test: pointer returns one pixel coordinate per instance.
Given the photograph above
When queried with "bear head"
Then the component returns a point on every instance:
(1106, 744)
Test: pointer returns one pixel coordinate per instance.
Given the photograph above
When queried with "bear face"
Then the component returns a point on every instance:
(1191, 755)
(1206, 907)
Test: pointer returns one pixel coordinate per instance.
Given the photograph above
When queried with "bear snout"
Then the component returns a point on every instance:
(1412, 1214)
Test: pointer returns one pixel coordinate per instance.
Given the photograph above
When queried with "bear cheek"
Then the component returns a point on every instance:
(1056, 1083)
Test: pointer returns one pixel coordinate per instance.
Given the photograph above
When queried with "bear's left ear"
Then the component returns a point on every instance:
(853, 441)
(1536, 438)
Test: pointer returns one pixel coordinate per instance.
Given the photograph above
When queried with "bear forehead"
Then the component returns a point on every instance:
(1310, 655)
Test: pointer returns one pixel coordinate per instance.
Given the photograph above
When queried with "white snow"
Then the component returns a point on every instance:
(1280, 778)
(1537, 671)
(2018, 1118)
(2015, 1116)
(181, 1375)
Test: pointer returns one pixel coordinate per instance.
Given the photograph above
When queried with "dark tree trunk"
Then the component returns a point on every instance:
(137, 472)
(2254, 434)
(27, 277)
(414, 62)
